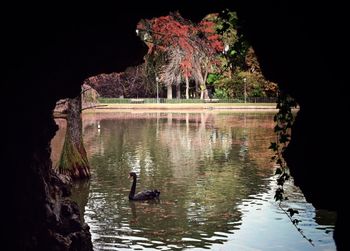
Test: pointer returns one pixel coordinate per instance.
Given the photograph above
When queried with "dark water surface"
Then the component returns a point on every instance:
(215, 178)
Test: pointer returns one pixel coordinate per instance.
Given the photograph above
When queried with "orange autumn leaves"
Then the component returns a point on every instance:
(163, 34)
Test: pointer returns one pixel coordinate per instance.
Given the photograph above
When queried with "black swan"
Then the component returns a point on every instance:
(144, 195)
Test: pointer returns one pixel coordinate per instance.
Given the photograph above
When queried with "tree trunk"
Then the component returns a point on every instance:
(203, 86)
(187, 87)
(178, 91)
(73, 161)
(204, 92)
(196, 89)
(169, 92)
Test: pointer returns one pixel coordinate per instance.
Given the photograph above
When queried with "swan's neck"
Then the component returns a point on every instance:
(133, 188)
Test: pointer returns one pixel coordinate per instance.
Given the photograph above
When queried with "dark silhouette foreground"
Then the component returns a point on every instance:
(49, 52)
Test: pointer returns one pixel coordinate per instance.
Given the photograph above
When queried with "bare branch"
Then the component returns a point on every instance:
(86, 89)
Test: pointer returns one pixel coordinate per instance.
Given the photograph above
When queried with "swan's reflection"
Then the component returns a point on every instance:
(133, 211)
(141, 205)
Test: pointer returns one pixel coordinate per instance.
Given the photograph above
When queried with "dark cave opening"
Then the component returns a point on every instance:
(48, 53)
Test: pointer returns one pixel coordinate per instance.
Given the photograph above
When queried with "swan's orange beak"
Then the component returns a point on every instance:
(129, 176)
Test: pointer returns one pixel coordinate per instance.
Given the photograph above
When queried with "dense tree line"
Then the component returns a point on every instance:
(133, 82)
(190, 60)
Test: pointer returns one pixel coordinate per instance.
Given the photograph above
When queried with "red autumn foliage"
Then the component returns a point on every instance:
(161, 34)
(206, 26)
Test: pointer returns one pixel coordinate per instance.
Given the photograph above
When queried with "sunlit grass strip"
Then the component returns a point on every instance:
(252, 100)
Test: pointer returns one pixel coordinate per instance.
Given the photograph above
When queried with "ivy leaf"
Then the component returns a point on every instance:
(280, 181)
(295, 222)
(277, 128)
(279, 194)
(233, 52)
(273, 146)
(286, 176)
(278, 197)
(278, 171)
(284, 138)
(292, 212)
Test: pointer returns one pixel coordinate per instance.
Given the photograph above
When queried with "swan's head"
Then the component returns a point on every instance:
(132, 175)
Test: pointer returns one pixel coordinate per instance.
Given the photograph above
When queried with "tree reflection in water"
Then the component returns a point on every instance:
(201, 163)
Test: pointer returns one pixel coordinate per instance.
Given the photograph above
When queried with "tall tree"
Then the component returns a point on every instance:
(171, 72)
(209, 45)
(240, 71)
(236, 45)
(74, 161)
(188, 48)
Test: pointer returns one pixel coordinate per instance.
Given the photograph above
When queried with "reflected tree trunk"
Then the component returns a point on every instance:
(157, 128)
(187, 123)
(74, 161)
(170, 118)
(80, 194)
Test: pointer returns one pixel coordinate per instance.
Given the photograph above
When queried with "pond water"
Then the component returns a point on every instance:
(215, 177)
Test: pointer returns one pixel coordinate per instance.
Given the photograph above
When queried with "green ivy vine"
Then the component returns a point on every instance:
(284, 119)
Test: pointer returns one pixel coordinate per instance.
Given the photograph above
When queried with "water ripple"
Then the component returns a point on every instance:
(214, 174)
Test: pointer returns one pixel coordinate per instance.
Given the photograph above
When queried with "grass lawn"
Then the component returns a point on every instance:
(111, 107)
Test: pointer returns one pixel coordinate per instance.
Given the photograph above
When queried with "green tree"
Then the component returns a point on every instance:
(239, 62)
